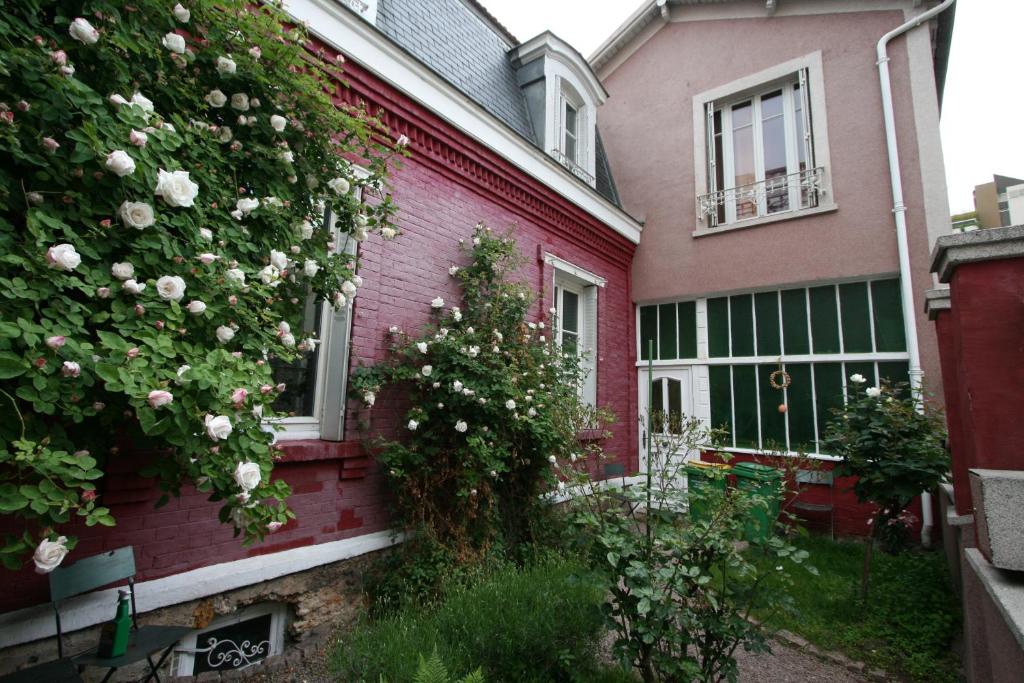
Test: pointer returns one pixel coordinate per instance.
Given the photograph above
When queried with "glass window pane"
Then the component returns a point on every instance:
(743, 157)
(828, 391)
(800, 408)
(744, 390)
(718, 327)
(570, 313)
(688, 329)
(570, 119)
(853, 300)
(741, 308)
(773, 132)
(667, 332)
(299, 376)
(648, 331)
(570, 342)
(824, 320)
(720, 384)
(885, 300)
(658, 406)
(897, 373)
(773, 423)
(675, 406)
(794, 321)
(570, 148)
(766, 307)
(719, 163)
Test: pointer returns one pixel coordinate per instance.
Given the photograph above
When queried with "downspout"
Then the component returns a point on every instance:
(899, 210)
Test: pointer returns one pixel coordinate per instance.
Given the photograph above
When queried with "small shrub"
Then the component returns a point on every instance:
(539, 624)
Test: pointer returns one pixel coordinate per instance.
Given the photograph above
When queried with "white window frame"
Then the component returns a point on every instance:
(186, 651)
(585, 284)
(808, 69)
(327, 423)
(570, 99)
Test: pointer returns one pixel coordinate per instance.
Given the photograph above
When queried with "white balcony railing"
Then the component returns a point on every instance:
(575, 168)
(790, 192)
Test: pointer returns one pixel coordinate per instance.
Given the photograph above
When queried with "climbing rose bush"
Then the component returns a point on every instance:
(168, 174)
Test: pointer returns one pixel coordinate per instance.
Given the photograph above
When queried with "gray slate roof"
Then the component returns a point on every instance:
(460, 41)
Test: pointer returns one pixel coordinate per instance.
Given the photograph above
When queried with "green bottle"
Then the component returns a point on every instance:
(115, 634)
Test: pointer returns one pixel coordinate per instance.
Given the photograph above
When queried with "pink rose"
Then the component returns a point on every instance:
(133, 352)
(55, 342)
(50, 145)
(103, 292)
(138, 138)
(274, 526)
(88, 496)
(280, 387)
(159, 397)
(59, 57)
(99, 405)
(238, 396)
(71, 369)
(266, 389)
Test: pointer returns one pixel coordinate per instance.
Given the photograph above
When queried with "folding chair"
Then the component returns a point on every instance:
(101, 570)
(817, 478)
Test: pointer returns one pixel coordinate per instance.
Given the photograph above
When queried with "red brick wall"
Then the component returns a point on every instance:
(448, 185)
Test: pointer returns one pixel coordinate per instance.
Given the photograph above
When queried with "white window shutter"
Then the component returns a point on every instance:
(709, 111)
(805, 109)
(334, 352)
(590, 344)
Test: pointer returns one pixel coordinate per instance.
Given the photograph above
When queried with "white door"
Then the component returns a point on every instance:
(670, 402)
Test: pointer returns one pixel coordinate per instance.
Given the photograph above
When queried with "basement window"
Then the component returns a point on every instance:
(233, 641)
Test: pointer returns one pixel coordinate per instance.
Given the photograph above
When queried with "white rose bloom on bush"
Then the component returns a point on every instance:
(278, 259)
(278, 122)
(226, 66)
(310, 268)
(63, 257)
(422, 347)
(140, 100)
(174, 42)
(873, 392)
(240, 101)
(159, 397)
(217, 428)
(179, 375)
(181, 14)
(437, 303)
(338, 185)
(270, 275)
(225, 334)
(196, 307)
(348, 288)
(170, 287)
(247, 475)
(120, 163)
(138, 215)
(49, 554)
(413, 425)
(510, 404)
(426, 370)
(206, 234)
(123, 270)
(133, 287)
(215, 98)
(461, 426)
(858, 379)
(82, 31)
(247, 205)
(235, 276)
(176, 188)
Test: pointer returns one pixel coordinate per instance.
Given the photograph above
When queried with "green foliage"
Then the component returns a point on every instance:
(893, 443)
(680, 591)
(908, 626)
(494, 403)
(536, 625)
(433, 670)
(90, 119)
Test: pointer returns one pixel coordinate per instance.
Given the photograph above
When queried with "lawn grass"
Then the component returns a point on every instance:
(908, 623)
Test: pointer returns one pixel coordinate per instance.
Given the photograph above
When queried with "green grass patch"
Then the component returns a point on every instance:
(908, 623)
(533, 625)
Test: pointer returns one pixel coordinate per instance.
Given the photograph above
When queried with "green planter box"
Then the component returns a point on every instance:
(765, 482)
(704, 480)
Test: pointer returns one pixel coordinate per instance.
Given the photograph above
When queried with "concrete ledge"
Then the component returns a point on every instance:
(978, 245)
(936, 301)
(1005, 588)
(999, 515)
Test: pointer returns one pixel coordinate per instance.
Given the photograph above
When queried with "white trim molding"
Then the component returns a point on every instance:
(37, 622)
(343, 30)
(575, 271)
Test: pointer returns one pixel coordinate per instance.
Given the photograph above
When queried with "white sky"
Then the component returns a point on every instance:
(983, 111)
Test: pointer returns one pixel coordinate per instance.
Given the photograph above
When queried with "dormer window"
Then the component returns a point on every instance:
(570, 131)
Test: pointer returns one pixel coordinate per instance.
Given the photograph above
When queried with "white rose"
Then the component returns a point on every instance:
(348, 288)
(122, 271)
(456, 314)
(240, 101)
(181, 14)
(235, 276)
(133, 287)
(457, 386)
(136, 215)
(269, 275)
(174, 43)
(159, 397)
(288, 339)
(453, 270)
(873, 392)
(206, 234)
(247, 204)
(120, 163)
(143, 102)
(426, 370)
(360, 234)
(305, 229)
(437, 303)
(226, 66)
(225, 334)
(176, 188)
(510, 404)
(82, 31)
(170, 288)
(117, 100)
(278, 122)
(413, 424)
(180, 374)
(388, 233)
(857, 379)
(532, 412)
(63, 257)
(278, 259)
(338, 185)
(461, 426)
(196, 307)
(369, 398)
(310, 268)
(49, 554)
(225, 134)
(216, 98)
(217, 428)
(287, 156)
(247, 475)
(422, 346)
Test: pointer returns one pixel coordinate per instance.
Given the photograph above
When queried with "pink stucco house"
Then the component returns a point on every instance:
(750, 139)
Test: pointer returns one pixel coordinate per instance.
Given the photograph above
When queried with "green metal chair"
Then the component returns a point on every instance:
(145, 641)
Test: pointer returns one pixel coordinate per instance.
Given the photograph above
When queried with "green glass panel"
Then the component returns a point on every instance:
(888, 310)
(773, 423)
(720, 383)
(688, 329)
(744, 390)
(856, 319)
(667, 332)
(675, 406)
(800, 408)
(794, 321)
(570, 313)
(718, 327)
(824, 320)
(766, 308)
(657, 406)
(828, 392)
(898, 373)
(741, 308)
(648, 331)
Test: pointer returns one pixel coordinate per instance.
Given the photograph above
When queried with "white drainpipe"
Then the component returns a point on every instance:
(899, 210)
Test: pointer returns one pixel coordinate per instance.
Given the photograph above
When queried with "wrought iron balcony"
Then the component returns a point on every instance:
(794, 191)
(573, 167)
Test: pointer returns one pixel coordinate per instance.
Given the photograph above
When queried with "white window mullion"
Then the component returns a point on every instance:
(805, 106)
(757, 132)
(729, 174)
